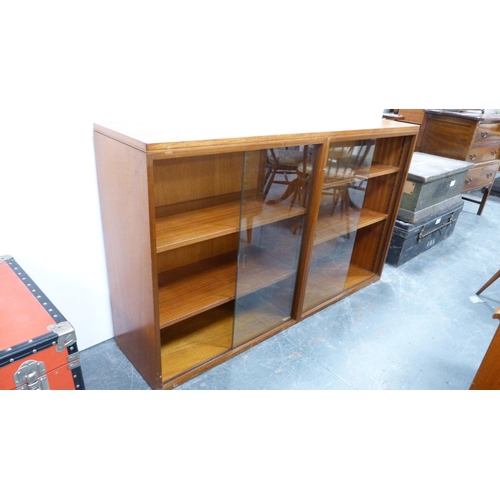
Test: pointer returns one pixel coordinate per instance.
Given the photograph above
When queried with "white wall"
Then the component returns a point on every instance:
(68, 65)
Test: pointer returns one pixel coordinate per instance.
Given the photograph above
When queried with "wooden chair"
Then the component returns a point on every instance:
(282, 166)
(288, 165)
(489, 282)
(488, 374)
(337, 177)
(340, 176)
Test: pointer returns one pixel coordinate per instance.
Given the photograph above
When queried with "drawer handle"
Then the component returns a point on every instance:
(484, 134)
(468, 181)
(494, 152)
(489, 175)
(472, 157)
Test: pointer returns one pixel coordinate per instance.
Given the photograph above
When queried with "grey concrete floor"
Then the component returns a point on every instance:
(420, 326)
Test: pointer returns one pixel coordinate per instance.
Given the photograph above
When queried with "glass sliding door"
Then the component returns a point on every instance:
(276, 185)
(197, 209)
(340, 214)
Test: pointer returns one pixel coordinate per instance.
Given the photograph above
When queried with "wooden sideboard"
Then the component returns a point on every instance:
(473, 137)
(215, 243)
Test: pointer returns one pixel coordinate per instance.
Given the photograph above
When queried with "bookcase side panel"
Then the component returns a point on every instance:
(125, 190)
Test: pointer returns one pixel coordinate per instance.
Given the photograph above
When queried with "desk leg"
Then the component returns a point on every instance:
(485, 197)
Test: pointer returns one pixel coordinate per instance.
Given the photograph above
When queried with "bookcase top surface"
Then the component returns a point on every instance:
(160, 136)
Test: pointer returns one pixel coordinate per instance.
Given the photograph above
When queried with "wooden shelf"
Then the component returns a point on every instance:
(190, 227)
(378, 169)
(252, 319)
(260, 270)
(331, 227)
(357, 275)
(196, 288)
(196, 340)
(324, 282)
(190, 337)
(256, 213)
(328, 281)
(207, 284)
(375, 170)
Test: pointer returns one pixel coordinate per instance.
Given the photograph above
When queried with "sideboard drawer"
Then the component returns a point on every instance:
(478, 154)
(487, 133)
(481, 175)
(472, 178)
(488, 172)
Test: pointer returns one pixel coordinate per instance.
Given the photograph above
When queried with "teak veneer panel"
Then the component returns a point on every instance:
(183, 179)
(368, 249)
(154, 138)
(128, 247)
(184, 256)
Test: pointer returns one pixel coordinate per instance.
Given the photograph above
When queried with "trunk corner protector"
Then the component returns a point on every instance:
(66, 332)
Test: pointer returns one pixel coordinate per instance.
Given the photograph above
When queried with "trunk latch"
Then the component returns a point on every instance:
(31, 375)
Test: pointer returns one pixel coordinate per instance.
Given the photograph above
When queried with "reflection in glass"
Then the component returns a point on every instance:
(343, 191)
(274, 204)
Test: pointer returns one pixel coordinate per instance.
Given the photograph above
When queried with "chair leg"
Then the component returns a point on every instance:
(345, 201)
(270, 175)
(489, 282)
(335, 200)
(289, 191)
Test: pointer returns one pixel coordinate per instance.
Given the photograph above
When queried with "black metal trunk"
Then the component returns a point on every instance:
(411, 239)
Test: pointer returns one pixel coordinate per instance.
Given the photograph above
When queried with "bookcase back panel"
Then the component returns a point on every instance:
(388, 151)
(179, 180)
(184, 256)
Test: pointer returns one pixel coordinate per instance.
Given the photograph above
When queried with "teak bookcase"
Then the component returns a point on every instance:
(213, 245)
